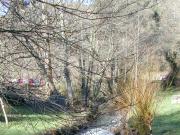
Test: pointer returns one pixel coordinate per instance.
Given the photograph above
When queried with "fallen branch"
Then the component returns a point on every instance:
(4, 112)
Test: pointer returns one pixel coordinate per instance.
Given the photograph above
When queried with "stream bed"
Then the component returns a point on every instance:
(104, 125)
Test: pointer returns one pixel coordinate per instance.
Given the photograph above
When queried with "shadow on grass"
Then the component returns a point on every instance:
(40, 108)
(26, 113)
(20, 118)
(167, 124)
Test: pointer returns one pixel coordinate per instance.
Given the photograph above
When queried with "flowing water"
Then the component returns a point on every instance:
(104, 125)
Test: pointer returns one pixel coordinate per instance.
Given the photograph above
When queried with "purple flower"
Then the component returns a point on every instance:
(4, 7)
(5, 3)
(26, 2)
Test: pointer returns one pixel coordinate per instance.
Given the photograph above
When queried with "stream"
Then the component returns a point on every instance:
(104, 125)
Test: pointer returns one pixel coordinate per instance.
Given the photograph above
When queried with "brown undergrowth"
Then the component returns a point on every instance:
(139, 101)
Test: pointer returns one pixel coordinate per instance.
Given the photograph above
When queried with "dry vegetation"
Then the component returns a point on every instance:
(139, 102)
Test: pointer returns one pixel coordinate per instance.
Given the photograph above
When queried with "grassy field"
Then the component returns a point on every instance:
(31, 123)
(167, 120)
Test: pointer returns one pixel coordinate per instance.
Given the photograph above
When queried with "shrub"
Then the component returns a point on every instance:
(139, 102)
(144, 109)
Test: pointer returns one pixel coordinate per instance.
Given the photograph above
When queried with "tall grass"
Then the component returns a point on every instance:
(144, 109)
(140, 103)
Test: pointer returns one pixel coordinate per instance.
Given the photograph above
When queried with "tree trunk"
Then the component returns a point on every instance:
(66, 57)
(112, 81)
(50, 71)
(171, 77)
(68, 85)
(83, 81)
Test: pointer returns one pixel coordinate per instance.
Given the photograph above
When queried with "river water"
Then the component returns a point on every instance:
(104, 125)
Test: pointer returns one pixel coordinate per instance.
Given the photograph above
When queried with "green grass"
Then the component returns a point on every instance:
(167, 120)
(31, 123)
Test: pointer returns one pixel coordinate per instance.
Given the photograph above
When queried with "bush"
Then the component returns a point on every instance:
(139, 102)
(144, 109)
